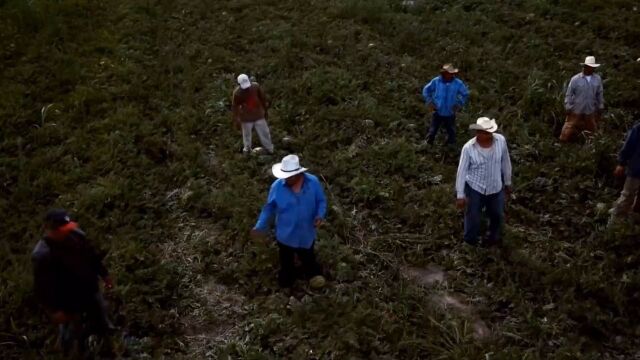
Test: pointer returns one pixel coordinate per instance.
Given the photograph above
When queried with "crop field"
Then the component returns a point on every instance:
(119, 111)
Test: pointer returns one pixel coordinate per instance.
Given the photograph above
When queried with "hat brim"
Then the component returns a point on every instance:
(453, 71)
(590, 65)
(276, 170)
(492, 129)
(245, 85)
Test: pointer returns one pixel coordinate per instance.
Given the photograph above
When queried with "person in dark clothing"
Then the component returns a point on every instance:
(629, 166)
(66, 273)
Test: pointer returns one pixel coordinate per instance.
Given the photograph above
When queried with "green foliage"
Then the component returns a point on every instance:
(118, 111)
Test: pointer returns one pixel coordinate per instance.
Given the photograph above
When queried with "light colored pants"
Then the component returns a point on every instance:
(263, 133)
(624, 204)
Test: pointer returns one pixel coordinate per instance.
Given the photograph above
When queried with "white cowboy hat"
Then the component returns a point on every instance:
(289, 166)
(485, 124)
(243, 81)
(449, 68)
(590, 61)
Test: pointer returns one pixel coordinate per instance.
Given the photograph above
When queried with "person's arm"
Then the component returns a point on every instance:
(463, 94)
(569, 95)
(95, 257)
(44, 283)
(506, 167)
(461, 175)
(268, 211)
(600, 96)
(98, 265)
(235, 107)
(263, 101)
(321, 201)
(630, 144)
(427, 93)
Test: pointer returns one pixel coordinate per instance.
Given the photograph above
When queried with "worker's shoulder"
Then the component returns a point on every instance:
(500, 137)
(458, 81)
(41, 251)
(77, 232)
(576, 76)
(311, 177)
(469, 144)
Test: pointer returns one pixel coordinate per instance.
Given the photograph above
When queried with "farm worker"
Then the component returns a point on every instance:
(445, 95)
(629, 165)
(66, 272)
(483, 181)
(298, 205)
(250, 110)
(583, 102)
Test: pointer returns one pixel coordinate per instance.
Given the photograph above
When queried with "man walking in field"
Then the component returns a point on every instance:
(483, 181)
(629, 164)
(297, 203)
(583, 102)
(250, 110)
(66, 272)
(445, 95)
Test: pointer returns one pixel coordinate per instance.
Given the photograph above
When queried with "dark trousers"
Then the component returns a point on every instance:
(73, 335)
(288, 273)
(476, 202)
(449, 123)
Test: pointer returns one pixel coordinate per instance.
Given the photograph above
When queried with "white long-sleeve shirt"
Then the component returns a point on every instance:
(486, 171)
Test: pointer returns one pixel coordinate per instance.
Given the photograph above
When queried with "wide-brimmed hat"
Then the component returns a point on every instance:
(243, 81)
(485, 124)
(449, 68)
(590, 61)
(289, 167)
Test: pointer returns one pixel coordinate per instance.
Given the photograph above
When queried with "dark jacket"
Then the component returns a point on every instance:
(249, 105)
(629, 155)
(66, 271)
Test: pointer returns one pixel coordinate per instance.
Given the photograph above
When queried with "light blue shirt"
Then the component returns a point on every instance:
(584, 94)
(486, 171)
(294, 213)
(445, 95)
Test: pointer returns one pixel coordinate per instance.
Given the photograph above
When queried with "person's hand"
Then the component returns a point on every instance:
(318, 222)
(257, 234)
(59, 317)
(108, 283)
(508, 190)
(432, 108)
(619, 171)
(460, 203)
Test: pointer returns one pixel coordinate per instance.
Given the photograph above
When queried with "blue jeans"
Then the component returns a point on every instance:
(493, 205)
(449, 123)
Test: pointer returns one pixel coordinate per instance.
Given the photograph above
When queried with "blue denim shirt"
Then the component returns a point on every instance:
(294, 213)
(445, 95)
(629, 155)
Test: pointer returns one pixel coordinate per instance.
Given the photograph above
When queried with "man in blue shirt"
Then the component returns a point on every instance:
(629, 163)
(445, 95)
(298, 205)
